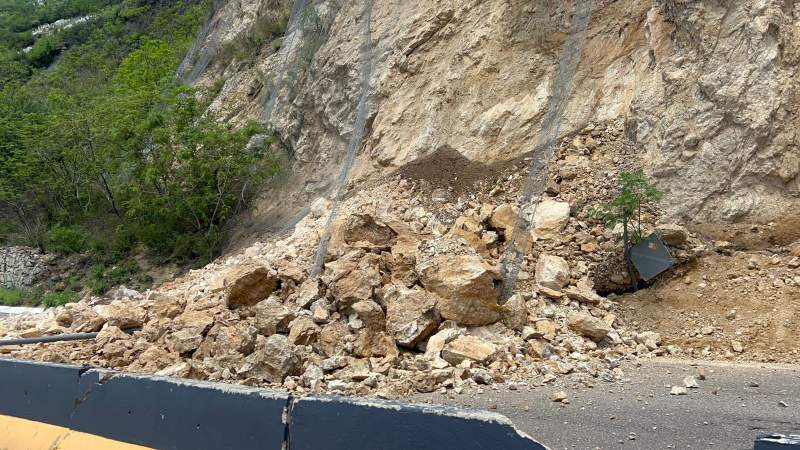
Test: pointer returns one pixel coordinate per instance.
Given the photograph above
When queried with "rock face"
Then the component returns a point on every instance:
(21, 266)
(464, 284)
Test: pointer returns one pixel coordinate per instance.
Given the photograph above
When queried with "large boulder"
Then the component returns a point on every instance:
(550, 219)
(552, 272)
(411, 315)
(273, 359)
(249, 284)
(504, 217)
(589, 326)
(122, 314)
(353, 278)
(468, 347)
(463, 281)
(515, 314)
(374, 343)
(303, 331)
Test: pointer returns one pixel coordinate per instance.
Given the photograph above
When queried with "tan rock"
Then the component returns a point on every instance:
(248, 285)
(272, 317)
(515, 314)
(438, 341)
(587, 325)
(273, 359)
(184, 340)
(552, 272)
(468, 347)
(356, 284)
(374, 343)
(371, 314)
(164, 305)
(504, 217)
(545, 328)
(333, 338)
(550, 219)
(469, 229)
(303, 331)
(672, 234)
(364, 230)
(411, 315)
(122, 314)
(465, 286)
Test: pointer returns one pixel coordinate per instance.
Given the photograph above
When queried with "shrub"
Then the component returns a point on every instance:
(67, 240)
(53, 299)
(635, 190)
(20, 297)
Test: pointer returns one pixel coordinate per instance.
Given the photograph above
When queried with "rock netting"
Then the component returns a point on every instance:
(21, 266)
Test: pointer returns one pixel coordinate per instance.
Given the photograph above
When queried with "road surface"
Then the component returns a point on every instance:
(731, 406)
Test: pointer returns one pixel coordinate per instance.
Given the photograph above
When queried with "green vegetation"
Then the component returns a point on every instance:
(244, 47)
(53, 299)
(103, 153)
(635, 190)
(20, 297)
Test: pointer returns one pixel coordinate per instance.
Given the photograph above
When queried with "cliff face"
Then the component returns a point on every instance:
(707, 92)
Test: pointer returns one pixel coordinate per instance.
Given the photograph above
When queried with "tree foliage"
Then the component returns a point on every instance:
(102, 151)
(635, 190)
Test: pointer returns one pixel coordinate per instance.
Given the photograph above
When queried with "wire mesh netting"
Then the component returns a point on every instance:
(544, 147)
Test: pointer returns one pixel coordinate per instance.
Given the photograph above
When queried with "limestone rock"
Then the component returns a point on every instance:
(411, 315)
(184, 340)
(465, 286)
(122, 314)
(273, 359)
(272, 317)
(370, 313)
(515, 314)
(468, 347)
(552, 272)
(587, 325)
(672, 234)
(303, 331)
(374, 343)
(248, 285)
(550, 219)
(438, 341)
(504, 217)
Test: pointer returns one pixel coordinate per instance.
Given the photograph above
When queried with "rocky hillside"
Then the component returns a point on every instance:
(705, 90)
(458, 94)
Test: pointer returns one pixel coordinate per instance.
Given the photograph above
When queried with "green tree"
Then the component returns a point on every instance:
(635, 190)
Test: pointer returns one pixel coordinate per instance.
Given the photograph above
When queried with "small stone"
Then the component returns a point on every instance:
(678, 390)
(690, 382)
(737, 346)
(559, 396)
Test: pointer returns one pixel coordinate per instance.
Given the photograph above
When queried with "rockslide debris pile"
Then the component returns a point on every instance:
(407, 302)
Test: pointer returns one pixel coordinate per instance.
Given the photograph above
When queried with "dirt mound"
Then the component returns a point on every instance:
(744, 307)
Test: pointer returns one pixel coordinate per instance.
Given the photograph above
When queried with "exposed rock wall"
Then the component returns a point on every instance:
(20, 266)
(707, 90)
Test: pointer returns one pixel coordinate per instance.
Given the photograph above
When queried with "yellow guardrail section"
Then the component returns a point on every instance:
(21, 434)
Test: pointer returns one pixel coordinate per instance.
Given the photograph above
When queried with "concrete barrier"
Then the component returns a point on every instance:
(777, 442)
(335, 423)
(55, 406)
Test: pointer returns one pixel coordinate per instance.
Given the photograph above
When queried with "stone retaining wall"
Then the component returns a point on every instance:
(21, 266)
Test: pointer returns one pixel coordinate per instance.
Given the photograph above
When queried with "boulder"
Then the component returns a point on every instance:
(469, 229)
(589, 326)
(184, 340)
(370, 314)
(464, 284)
(239, 338)
(303, 331)
(649, 339)
(374, 343)
(436, 343)
(248, 285)
(468, 347)
(515, 313)
(362, 230)
(552, 272)
(350, 283)
(504, 217)
(411, 315)
(550, 219)
(272, 317)
(672, 234)
(273, 359)
(163, 305)
(122, 314)
(333, 339)
(309, 291)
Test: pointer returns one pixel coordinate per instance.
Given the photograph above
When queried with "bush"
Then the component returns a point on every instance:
(103, 278)
(53, 299)
(67, 240)
(20, 297)
(245, 47)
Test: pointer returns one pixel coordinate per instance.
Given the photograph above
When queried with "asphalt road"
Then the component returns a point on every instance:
(731, 406)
